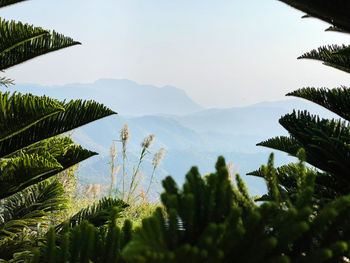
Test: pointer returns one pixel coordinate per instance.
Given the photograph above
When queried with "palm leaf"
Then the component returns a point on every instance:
(19, 112)
(34, 48)
(29, 207)
(9, 2)
(15, 172)
(335, 100)
(76, 114)
(335, 12)
(331, 55)
(97, 214)
(13, 34)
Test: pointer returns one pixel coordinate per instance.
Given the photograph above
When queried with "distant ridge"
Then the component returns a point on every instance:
(122, 95)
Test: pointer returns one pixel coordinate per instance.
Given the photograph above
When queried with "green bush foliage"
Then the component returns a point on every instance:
(304, 217)
(326, 141)
(212, 220)
(30, 151)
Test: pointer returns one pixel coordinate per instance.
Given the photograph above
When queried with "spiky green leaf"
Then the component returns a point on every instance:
(13, 34)
(73, 155)
(9, 2)
(330, 55)
(29, 207)
(97, 214)
(336, 100)
(76, 114)
(16, 172)
(327, 142)
(19, 112)
(335, 12)
(34, 48)
(282, 143)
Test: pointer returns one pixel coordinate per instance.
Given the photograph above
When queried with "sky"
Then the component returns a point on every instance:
(223, 53)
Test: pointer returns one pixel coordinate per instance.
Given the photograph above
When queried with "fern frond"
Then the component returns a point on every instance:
(55, 146)
(17, 171)
(327, 142)
(282, 143)
(74, 155)
(6, 82)
(19, 112)
(4, 3)
(35, 47)
(13, 34)
(76, 114)
(29, 207)
(97, 214)
(330, 55)
(335, 12)
(336, 100)
(335, 29)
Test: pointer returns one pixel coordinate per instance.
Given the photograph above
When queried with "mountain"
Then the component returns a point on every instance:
(194, 139)
(124, 96)
(190, 134)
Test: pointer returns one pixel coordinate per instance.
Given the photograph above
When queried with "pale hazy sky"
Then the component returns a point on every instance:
(221, 52)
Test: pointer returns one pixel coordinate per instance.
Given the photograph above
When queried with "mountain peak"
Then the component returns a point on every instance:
(122, 95)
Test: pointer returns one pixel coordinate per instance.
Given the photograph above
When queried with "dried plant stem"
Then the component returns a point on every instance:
(113, 155)
(151, 181)
(124, 173)
(135, 173)
(124, 137)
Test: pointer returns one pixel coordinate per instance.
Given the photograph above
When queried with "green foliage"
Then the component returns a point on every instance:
(86, 243)
(24, 211)
(75, 114)
(29, 151)
(9, 2)
(326, 142)
(97, 214)
(34, 48)
(303, 218)
(335, 100)
(20, 112)
(14, 34)
(335, 12)
(210, 220)
(28, 207)
(333, 55)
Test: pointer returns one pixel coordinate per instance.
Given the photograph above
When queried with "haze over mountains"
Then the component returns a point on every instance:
(191, 134)
(124, 96)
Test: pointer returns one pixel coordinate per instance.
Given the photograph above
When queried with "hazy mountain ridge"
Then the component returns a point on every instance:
(191, 135)
(124, 96)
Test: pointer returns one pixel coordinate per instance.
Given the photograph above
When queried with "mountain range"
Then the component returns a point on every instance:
(190, 134)
(124, 96)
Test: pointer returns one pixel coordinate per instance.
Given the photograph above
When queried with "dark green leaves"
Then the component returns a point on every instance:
(29, 207)
(14, 34)
(333, 55)
(335, 12)
(9, 2)
(335, 100)
(18, 170)
(283, 143)
(75, 114)
(19, 112)
(96, 214)
(34, 48)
